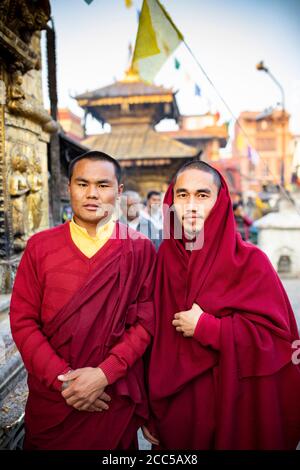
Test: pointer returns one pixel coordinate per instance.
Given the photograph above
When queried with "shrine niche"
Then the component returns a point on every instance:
(25, 130)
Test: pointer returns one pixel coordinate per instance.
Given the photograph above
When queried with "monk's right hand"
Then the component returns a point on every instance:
(149, 437)
(86, 386)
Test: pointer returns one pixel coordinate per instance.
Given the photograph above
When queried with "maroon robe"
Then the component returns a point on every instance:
(116, 293)
(233, 385)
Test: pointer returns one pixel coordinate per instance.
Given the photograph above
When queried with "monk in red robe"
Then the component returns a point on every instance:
(82, 318)
(221, 373)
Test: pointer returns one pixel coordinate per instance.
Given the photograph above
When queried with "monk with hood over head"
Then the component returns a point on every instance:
(223, 373)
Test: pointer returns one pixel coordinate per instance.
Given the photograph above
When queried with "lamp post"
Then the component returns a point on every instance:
(261, 67)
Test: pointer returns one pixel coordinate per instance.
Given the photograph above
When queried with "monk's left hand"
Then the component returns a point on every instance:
(185, 322)
(86, 385)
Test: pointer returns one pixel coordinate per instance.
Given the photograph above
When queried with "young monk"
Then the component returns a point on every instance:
(221, 374)
(82, 318)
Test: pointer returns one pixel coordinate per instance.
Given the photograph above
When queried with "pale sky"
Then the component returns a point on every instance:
(228, 37)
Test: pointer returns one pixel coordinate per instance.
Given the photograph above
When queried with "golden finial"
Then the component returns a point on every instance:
(131, 75)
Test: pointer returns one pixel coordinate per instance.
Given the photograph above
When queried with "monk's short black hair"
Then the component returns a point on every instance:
(202, 166)
(96, 155)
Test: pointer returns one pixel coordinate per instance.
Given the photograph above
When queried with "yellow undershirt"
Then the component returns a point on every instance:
(87, 244)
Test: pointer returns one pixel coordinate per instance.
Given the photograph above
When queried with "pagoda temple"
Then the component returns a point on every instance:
(133, 108)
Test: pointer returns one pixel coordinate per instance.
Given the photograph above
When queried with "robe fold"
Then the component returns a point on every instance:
(233, 385)
(70, 311)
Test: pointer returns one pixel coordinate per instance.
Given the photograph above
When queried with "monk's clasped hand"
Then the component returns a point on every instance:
(185, 322)
(85, 390)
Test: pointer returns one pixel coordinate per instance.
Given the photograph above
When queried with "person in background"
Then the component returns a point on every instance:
(131, 206)
(236, 197)
(243, 222)
(261, 208)
(250, 207)
(153, 209)
(67, 213)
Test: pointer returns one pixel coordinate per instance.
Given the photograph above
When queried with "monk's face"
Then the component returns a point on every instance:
(93, 191)
(195, 194)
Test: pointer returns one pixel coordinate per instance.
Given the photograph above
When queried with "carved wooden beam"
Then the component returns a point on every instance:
(16, 50)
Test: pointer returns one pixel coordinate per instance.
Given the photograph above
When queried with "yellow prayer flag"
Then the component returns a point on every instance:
(157, 38)
(128, 3)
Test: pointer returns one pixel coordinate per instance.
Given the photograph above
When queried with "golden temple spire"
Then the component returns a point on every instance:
(131, 75)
